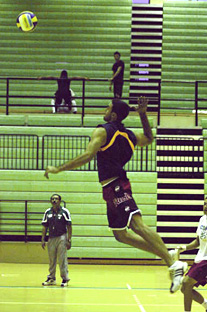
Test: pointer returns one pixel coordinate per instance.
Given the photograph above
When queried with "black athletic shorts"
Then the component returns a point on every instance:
(66, 96)
(120, 204)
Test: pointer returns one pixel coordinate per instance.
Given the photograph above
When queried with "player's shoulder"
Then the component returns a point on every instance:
(99, 131)
(66, 214)
(65, 210)
(202, 219)
(132, 136)
(48, 210)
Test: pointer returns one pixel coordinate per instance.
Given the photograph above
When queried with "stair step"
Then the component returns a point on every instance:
(173, 237)
(182, 175)
(180, 212)
(178, 218)
(180, 181)
(180, 191)
(180, 132)
(177, 225)
(188, 202)
(173, 207)
(182, 187)
(180, 196)
(183, 228)
(178, 164)
(177, 153)
(178, 142)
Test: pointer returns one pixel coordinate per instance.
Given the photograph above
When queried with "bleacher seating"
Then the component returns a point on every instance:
(85, 50)
(78, 36)
(82, 193)
(183, 54)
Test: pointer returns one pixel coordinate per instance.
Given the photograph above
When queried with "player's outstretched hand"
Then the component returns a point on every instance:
(142, 104)
(50, 169)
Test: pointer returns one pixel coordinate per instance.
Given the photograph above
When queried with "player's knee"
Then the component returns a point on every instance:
(186, 285)
(182, 289)
(119, 236)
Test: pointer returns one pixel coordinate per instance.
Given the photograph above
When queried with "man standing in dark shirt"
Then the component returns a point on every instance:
(58, 220)
(118, 76)
(114, 146)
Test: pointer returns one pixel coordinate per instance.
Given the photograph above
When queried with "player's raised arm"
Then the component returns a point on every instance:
(97, 140)
(47, 78)
(145, 138)
(78, 78)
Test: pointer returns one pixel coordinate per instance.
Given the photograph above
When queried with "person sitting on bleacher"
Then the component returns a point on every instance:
(62, 105)
(63, 92)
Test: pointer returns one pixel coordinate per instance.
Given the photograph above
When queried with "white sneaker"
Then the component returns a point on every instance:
(175, 254)
(177, 270)
(49, 282)
(64, 283)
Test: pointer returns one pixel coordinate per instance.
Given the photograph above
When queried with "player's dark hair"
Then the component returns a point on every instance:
(64, 74)
(56, 195)
(120, 108)
(117, 53)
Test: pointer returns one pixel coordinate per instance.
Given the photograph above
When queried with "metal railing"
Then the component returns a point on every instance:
(22, 152)
(25, 223)
(57, 149)
(154, 103)
(8, 95)
(19, 151)
(195, 100)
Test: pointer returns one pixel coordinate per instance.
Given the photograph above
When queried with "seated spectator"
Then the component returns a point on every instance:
(63, 92)
(62, 107)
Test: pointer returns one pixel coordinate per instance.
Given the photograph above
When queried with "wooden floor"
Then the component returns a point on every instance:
(93, 288)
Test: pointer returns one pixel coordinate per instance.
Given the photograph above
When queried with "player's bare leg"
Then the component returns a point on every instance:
(149, 241)
(187, 289)
(134, 240)
(151, 237)
(152, 242)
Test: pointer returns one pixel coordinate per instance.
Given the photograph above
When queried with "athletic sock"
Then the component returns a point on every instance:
(204, 304)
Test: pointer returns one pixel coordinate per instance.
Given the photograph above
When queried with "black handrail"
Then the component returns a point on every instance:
(25, 217)
(196, 103)
(7, 96)
(83, 97)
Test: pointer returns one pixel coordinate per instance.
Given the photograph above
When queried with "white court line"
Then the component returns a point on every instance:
(137, 300)
(139, 303)
(128, 286)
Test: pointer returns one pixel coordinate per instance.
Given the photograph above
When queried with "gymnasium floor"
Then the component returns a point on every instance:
(93, 288)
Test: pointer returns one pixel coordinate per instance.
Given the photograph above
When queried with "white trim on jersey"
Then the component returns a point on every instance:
(66, 214)
(44, 219)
